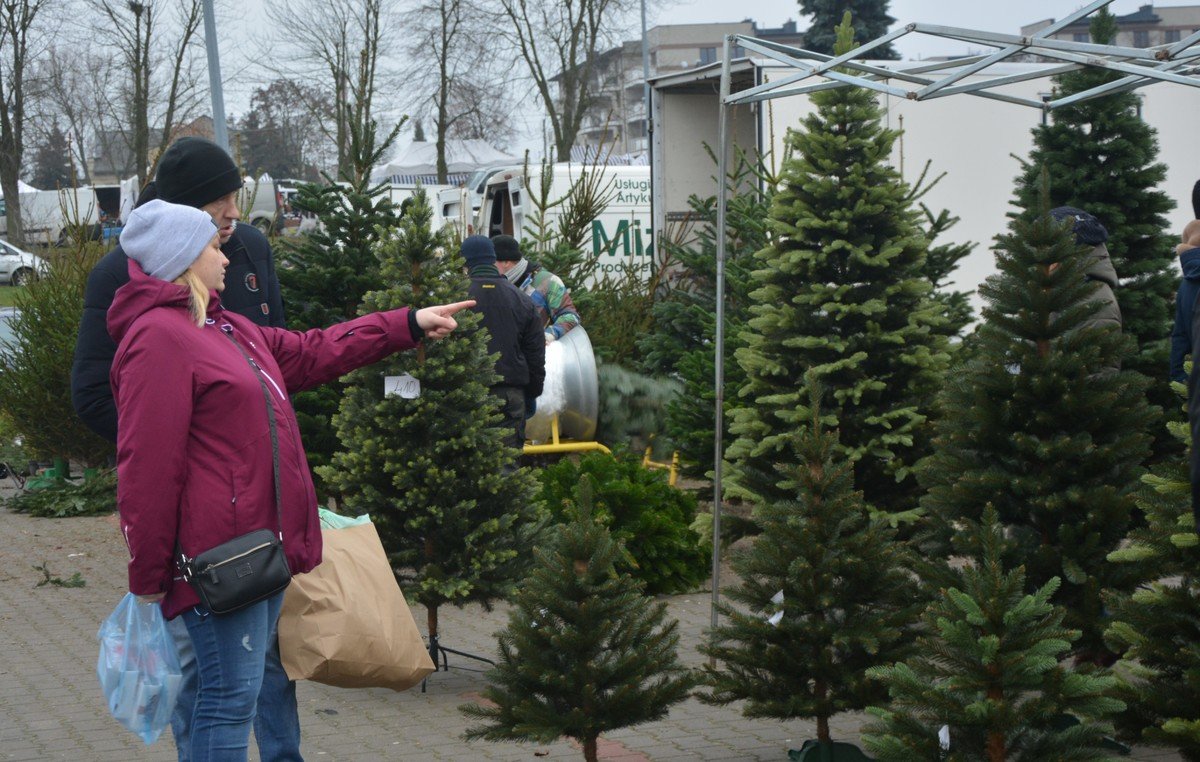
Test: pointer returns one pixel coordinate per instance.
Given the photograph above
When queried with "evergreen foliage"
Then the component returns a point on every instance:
(940, 261)
(35, 369)
(1158, 626)
(94, 496)
(52, 161)
(842, 290)
(325, 274)
(825, 592)
(455, 515)
(871, 20)
(1040, 425)
(585, 651)
(987, 666)
(682, 344)
(651, 519)
(632, 409)
(1101, 156)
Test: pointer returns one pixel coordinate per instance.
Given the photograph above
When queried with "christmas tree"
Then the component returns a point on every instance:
(842, 290)
(870, 15)
(825, 593)
(1158, 627)
(685, 318)
(430, 465)
(1101, 156)
(986, 682)
(325, 275)
(584, 652)
(1040, 425)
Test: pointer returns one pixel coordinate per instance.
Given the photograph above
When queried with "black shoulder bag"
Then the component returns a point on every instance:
(251, 567)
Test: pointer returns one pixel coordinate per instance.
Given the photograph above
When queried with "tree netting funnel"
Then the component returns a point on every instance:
(572, 390)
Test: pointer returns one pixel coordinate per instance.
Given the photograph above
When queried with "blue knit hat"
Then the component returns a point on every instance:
(478, 250)
(165, 239)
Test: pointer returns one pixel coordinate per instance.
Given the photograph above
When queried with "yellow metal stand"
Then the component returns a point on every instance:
(558, 446)
(673, 466)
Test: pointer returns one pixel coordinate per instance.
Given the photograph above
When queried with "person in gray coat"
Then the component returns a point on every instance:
(1089, 232)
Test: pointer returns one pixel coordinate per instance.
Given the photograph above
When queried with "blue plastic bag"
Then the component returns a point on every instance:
(138, 667)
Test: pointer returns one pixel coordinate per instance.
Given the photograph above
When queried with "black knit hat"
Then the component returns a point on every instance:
(477, 250)
(1087, 228)
(507, 248)
(195, 172)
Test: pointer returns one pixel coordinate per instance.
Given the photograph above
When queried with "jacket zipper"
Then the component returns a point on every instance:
(228, 329)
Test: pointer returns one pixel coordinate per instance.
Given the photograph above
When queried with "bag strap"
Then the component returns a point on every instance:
(227, 329)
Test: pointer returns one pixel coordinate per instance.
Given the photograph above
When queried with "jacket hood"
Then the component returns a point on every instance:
(143, 293)
(1190, 262)
(1100, 266)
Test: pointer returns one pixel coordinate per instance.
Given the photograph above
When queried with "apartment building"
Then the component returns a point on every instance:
(1146, 27)
(616, 121)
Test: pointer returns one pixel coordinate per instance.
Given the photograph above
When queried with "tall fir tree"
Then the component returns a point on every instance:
(585, 650)
(1158, 626)
(52, 161)
(1041, 426)
(455, 515)
(1102, 157)
(870, 17)
(825, 592)
(325, 275)
(987, 673)
(685, 318)
(842, 290)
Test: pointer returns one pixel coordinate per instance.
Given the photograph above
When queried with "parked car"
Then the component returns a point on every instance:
(17, 266)
(7, 316)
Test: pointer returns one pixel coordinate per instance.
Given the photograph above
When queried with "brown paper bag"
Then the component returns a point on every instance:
(346, 623)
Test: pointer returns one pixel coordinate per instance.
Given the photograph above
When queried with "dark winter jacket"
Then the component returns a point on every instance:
(251, 290)
(515, 330)
(1182, 335)
(1100, 270)
(194, 455)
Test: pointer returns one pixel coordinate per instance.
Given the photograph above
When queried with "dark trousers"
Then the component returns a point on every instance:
(512, 406)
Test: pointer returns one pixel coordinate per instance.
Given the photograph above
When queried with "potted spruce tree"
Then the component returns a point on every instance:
(585, 650)
(825, 594)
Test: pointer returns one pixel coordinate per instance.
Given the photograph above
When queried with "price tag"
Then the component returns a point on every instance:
(405, 387)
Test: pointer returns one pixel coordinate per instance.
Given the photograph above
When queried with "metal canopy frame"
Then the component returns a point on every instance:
(1176, 63)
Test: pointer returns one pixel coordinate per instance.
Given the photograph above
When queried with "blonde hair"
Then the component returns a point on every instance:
(198, 299)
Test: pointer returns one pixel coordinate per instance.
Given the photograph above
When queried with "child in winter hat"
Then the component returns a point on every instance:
(165, 239)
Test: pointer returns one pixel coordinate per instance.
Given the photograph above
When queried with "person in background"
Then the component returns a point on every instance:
(196, 173)
(208, 449)
(1185, 299)
(550, 295)
(514, 332)
(1090, 232)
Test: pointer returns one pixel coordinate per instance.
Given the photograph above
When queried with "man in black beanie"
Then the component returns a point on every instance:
(194, 172)
(198, 173)
(514, 332)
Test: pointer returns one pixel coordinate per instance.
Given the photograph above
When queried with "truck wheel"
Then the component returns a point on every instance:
(22, 276)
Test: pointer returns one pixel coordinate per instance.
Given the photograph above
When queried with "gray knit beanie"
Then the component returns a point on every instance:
(165, 239)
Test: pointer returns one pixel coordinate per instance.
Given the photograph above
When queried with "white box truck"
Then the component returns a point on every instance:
(619, 238)
(47, 213)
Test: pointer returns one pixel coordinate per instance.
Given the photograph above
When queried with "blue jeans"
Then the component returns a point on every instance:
(241, 683)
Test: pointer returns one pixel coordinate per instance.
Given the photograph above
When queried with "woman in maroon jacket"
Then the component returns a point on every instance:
(187, 477)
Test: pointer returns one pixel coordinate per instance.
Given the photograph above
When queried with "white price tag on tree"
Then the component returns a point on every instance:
(404, 386)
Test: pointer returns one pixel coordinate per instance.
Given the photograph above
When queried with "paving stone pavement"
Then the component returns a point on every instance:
(51, 707)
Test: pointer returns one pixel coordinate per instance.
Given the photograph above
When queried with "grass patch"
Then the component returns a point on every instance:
(8, 295)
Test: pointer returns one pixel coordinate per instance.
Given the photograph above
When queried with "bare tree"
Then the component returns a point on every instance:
(343, 43)
(465, 92)
(153, 36)
(20, 44)
(72, 93)
(559, 42)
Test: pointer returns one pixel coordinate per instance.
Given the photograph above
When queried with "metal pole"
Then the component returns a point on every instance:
(649, 128)
(220, 135)
(718, 429)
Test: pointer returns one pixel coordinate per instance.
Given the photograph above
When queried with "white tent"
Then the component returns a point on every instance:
(462, 156)
(22, 187)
